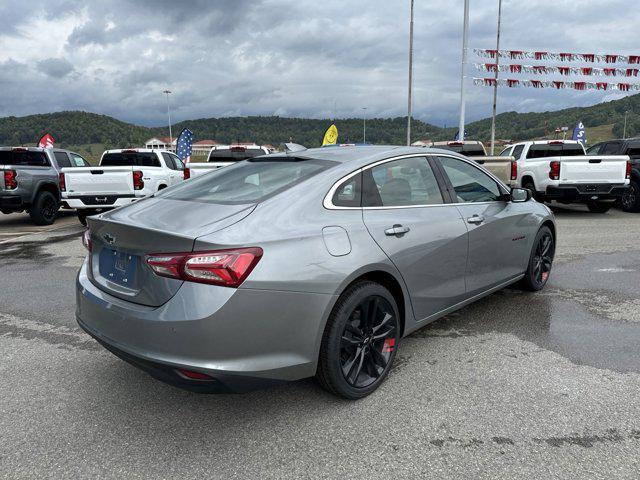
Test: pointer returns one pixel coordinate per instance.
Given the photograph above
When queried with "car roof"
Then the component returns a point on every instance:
(363, 154)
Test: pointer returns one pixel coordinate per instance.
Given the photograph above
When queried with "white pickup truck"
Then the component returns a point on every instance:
(559, 170)
(223, 155)
(123, 176)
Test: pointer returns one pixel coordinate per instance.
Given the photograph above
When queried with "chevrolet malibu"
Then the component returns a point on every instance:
(308, 263)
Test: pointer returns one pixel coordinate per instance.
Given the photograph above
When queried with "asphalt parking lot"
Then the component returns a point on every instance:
(518, 385)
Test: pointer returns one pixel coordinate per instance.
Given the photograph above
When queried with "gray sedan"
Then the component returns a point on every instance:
(313, 263)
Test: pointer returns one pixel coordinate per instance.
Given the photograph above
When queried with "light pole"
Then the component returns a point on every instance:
(410, 76)
(167, 92)
(364, 125)
(465, 41)
(624, 130)
(495, 85)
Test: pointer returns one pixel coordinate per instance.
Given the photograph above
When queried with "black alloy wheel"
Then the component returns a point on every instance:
(367, 342)
(360, 341)
(540, 261)
(631, 198)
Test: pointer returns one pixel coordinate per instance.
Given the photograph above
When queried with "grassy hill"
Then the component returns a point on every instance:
(90, 133)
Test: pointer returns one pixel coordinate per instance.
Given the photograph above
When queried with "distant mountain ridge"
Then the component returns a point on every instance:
(75, 128)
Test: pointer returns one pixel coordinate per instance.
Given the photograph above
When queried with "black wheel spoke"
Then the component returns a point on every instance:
(348, 368)
(354, 331)
(385, 320)
(378, 358)
(385, 334)
(346, 341)
(372, 313)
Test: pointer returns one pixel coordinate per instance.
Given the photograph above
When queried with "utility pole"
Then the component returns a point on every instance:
(364, 125)
(495, 85)
(465, 41)
(624, 130)
(167, 92)
(410, 76)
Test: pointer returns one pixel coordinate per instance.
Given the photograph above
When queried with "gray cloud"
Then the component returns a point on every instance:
(288, 57)
(55, 67)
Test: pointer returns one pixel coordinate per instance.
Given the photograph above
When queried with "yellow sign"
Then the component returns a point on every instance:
(330, 136)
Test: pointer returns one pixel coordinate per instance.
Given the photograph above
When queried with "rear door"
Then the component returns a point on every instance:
(405, 212)
(498, 229)
(174, 175)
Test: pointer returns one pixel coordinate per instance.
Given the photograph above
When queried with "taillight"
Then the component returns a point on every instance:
(10, 181)
(62, 183)
(554, 170)
(138, 182)
(628, 174)
(86, 239)
(187, 173)
(514, 170)
(228, 268)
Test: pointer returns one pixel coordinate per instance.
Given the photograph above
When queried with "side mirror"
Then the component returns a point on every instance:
(519, 195)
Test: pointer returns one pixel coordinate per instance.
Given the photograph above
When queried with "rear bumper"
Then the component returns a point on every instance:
(582, 193)
(12, 202)
(242, 338)
(99, 201)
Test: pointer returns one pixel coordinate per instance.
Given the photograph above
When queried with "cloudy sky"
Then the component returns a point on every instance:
(300, 58)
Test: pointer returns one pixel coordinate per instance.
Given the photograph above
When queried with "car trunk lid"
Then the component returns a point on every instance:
(122, 238)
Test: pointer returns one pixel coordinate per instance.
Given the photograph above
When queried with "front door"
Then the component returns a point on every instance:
(497, 240)
(424, 237)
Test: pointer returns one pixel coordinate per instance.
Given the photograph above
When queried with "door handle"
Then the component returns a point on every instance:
(475, 219)
(396, 230)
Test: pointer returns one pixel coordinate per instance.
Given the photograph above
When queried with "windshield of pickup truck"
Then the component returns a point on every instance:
(555, 150)
(23, 157)
(250, 181)
(130, 159)
(234, 154)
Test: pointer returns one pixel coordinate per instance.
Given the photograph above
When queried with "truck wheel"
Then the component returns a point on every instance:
(532, 188)
(84, 213)
(44, 209)
(631, 198)
(599, 207)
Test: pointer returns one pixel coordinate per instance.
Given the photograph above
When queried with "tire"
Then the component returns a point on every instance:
(83, 213)
(357, 350)
(540, 261)
(631, 198)
(599, 207)
(532, 188)
(44, 209)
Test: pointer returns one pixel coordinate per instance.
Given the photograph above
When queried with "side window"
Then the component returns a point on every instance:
(178, 163)
(469, 183)
(506, 152)
(595, 150)
(572, 150)
(78, 161)
(348, 193)
(610, 148)
(401, 183)
(62, 159)
(517, 151)
(169, 161)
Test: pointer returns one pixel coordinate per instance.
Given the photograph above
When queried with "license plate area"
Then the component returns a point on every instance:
(118, 267)
(591, 188)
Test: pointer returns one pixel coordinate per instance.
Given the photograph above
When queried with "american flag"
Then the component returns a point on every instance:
(185, 142)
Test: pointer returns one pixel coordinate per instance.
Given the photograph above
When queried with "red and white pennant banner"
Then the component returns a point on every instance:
(545, 70)
(561, 57)
(557, 84)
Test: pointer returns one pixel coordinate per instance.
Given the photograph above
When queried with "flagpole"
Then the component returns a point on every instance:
(410, 76)
(167, 92)
(495, 86)
(465, 40)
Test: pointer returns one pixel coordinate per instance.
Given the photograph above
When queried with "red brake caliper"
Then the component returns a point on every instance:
(389, 343)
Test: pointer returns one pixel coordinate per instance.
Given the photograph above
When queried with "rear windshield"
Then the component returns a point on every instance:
(234, 154)
(251, 181)
(34, 159)
(471, 150)
(547, 150)
(133, 159)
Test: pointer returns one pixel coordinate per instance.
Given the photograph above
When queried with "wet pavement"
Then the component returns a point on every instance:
(517, 385)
